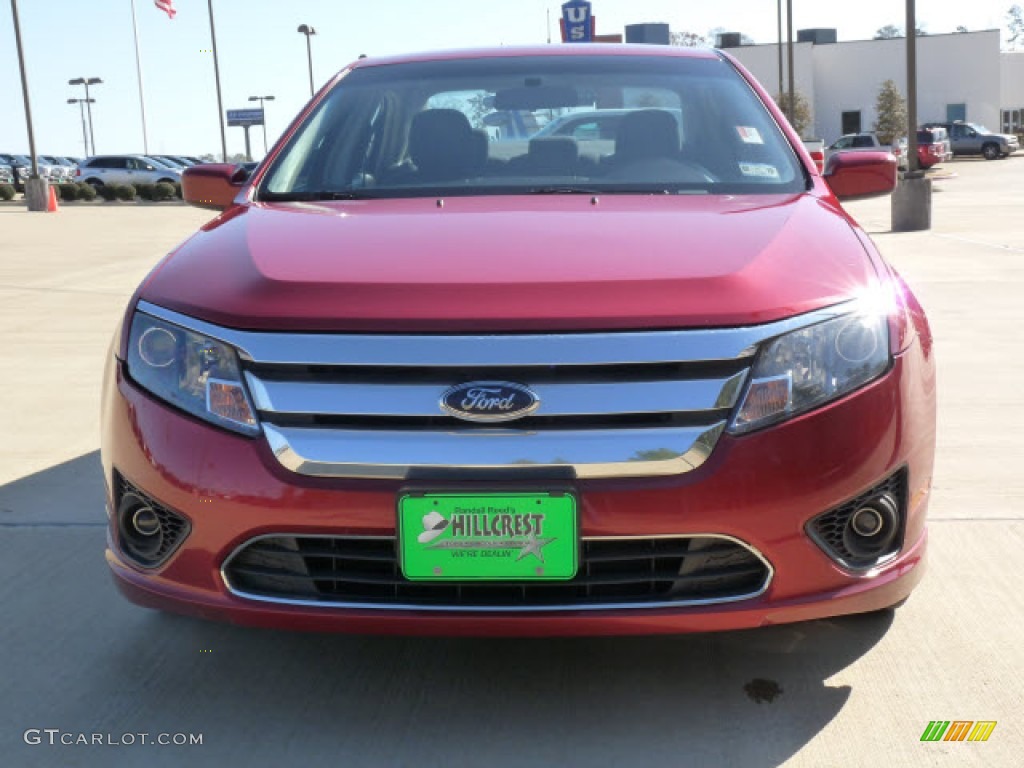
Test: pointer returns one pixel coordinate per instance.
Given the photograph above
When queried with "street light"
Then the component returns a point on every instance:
(261, 99)
(81, 108)
(87, 81)
(308, 31)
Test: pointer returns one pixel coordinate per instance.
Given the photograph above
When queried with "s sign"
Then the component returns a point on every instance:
(489, 401)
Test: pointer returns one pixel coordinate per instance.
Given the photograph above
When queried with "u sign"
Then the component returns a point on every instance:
(577, 22)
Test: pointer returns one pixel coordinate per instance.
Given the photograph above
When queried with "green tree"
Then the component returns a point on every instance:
(688, 40)
(891, 111)
(1015, 24)
(961, 30)
(888, 32)
(801, 118)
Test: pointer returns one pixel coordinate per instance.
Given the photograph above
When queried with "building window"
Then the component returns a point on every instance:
(956, 112)
(851, 122)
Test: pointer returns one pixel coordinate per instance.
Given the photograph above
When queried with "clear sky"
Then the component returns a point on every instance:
(262, 53)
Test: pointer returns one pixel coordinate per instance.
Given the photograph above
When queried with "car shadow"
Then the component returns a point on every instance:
(91, 662)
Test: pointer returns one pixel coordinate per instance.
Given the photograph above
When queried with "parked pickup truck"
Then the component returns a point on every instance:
(401, 384)
(974, 139)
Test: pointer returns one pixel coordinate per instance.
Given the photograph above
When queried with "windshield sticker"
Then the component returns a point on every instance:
(760, 170)
(749, 135)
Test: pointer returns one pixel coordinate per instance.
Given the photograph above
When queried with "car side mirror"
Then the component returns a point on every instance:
(857, 175)
(212, 185)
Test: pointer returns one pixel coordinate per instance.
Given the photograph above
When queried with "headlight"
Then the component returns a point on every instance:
(195, 373)
(807, 368)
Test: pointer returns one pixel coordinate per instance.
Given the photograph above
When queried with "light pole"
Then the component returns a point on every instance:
(261, 99)
(781, 90)
(87, 81)
(35, 188)
(81, 108)
(308, 31)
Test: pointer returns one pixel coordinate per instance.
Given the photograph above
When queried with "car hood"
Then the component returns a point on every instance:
(569, 262)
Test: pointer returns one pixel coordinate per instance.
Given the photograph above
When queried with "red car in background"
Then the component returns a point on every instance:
(933, 147)
(416, 378)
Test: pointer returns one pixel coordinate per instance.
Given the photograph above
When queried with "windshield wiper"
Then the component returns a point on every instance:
(564, 190)
(301, 197)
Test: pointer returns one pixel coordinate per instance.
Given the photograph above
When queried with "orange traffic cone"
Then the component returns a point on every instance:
(51, 205)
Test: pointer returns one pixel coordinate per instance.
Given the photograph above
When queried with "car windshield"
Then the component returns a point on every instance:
(979, 128)
(537, 125)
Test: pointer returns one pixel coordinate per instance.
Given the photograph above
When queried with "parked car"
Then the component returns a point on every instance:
(974, 139)
(168, 162)
(933, 147)
(21, 167)
(857, 141)
(61, 171)
(175, 160)
(125, 169)
(6, 174)
(403, 386)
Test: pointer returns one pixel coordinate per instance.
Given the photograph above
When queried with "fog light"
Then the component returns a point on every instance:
(872, 527)
(139, 525)
(148, 532)
(146, 522)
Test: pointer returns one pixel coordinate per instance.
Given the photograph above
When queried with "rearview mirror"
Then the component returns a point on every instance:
(533, 97)
(857, 175)
(212, 185)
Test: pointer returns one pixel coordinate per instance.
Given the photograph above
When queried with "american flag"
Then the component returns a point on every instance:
(167, 6)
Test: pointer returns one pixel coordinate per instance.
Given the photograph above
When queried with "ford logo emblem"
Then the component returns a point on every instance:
(489, 401)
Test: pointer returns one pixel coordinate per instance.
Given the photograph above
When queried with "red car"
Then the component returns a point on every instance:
(418, 379)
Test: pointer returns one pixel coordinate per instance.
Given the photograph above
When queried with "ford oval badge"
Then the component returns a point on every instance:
(489, 401)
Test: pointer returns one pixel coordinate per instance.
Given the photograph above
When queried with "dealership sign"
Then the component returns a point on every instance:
(244, 117)
(577, 22)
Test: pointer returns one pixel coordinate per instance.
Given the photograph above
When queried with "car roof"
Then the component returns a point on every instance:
(512, 51)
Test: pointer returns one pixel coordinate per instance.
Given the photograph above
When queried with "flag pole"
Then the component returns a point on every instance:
(138, 71)
(216, 73)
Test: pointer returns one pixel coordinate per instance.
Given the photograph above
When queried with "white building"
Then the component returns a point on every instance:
(961, 76)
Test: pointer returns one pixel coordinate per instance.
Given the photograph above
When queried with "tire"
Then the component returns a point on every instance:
(990, 151)
(94, 183)
(165, 181)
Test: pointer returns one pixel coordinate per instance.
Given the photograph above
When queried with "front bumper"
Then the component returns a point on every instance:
(760, 488)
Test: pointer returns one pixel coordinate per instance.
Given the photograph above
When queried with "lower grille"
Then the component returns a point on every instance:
(613, 573)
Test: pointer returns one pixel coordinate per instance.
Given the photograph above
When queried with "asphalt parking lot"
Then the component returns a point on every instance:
(856, 691)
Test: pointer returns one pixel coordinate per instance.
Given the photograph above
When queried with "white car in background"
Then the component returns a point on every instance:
(125, 169)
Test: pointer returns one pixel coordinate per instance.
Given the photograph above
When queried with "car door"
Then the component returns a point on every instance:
(115, 170)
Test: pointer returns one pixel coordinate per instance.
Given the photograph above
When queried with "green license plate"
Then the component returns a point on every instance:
(488, 536)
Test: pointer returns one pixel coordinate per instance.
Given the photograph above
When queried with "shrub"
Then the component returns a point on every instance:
(178, 194)
(125, 192)
(6, 192)
(163, 191)
(108, 192)
(85, 192)
(67, 191)
(145, 191)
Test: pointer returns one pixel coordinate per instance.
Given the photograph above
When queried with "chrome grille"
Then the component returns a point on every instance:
(335, 571)
(627, 404)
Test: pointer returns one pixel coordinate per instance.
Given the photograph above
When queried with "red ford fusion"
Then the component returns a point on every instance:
(433, 370)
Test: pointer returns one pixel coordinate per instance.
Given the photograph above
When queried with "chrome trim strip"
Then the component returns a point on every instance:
(563, 399)
(504, 350)
(502, 609)
(392, 454)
